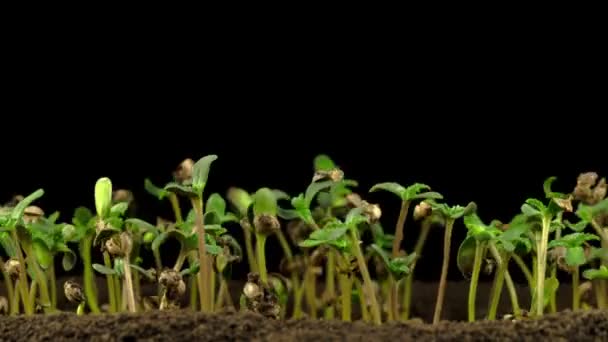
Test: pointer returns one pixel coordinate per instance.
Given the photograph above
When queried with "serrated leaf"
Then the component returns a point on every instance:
(573, 240)
(578, 226)
(264, 202)
(119, 209)
(323, 162)
(392, 187)
(313, 189)
(200, 173)
(103, 270)
(536, 204)
(414, 190)
(154, 190)
(103, 196)
(18, 210)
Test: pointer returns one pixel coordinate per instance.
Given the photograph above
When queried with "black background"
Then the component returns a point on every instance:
(485, 130)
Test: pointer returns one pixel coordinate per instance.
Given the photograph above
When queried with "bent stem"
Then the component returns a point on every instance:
(474, 279)
(177, 211)
(444, 270)
(23, 284)
(367, 280)
(407, 296)
(512, 293)
(498, 282)
(524, 269)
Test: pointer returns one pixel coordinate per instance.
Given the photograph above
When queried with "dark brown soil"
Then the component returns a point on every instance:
(187, 326)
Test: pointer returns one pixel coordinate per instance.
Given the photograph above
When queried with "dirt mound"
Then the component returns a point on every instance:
(184, 325)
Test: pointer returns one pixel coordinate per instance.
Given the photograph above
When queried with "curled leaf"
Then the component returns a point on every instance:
(200, 173)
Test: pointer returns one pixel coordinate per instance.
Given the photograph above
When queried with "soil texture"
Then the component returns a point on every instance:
(183, 325)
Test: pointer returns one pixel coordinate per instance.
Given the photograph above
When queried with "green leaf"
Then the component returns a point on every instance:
(154, 190)
(7, 244)
(82, 216)
(311, 243)
(355, 217)
(465, 258)
(529, 210)
(393, 187)
(592, 274)
(200, 173)
(414, 190)
(399, 267)
(119, 209)
(322, 162)
(578, 226)
(215, 203)
(328, 234)
(158, 241)
(507, 245)
(313, 189)
(287, 214)
(429, 195)
(240, 199)
(103, 196)
(264, 202)
(69, 258)
(547, 186)
(213, 249)
(141, 225)
(573, 240)
(192, 270)
(179, 189)
(536, 204)
(584, 212)
(575, 256)
(18, 210)
(42, 253)
(381, 253)
(212, 217)
(53, 217)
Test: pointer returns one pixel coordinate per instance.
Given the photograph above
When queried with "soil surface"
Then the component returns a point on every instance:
(184, 325)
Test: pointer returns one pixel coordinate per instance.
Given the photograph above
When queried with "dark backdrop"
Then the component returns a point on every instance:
(475, 132)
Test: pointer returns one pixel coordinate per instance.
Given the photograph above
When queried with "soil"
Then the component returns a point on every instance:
(184, 325)
(232, 326)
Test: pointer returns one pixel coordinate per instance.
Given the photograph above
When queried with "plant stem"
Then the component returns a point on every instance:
(362, 302)
(552, 299)
(8, 284)
(260, 243)
(181, 257)
(157, 260)
(407, 296)
(542, 264)
(89, 277)
(512, 293)
(295, 281)
(311, 291)
(42, 282)
(444, 270)
(367, 280)
(474, 279)
(15, 299)
(53, 282)
(330, 283)
(204, 282)
(297, 302)
(129, 285)
(575, 293)
(23, 284)
(346, 289)
(498, 282)
(394, 297)
(600, 293)
(110, 281)
(525, 270)
(253, 266)
(32, 294)
(193, 293)
(399, 229)
(177, 211)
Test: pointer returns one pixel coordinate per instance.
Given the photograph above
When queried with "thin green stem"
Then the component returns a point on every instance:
(181, 257)
(260, 243)
(367, 280)
(444, 270)
(90, 291)
(23, 283)
(33, 292)
(552, 299)
(253, 266)
(45, 298)
(399, 229)
(310, 290)
(330, 283)
(346, 289)
(128, 279)
(542, 264)
(512, 293)
(204, 281)
(364, 311)
(524, 269)
(576, 299)
(177, 211)
(110, 281)
(15, 299)
(600, 293)
(409, 280)
(498, 282)
(474, 279)
(80, 309)
(53, 282)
